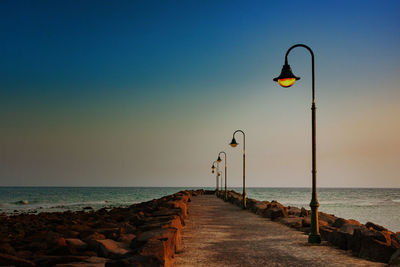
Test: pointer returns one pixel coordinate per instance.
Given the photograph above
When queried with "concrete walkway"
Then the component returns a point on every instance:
(220, 234)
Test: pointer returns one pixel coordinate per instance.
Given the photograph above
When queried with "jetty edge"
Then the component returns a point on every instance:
(143, 234)
(370, 241)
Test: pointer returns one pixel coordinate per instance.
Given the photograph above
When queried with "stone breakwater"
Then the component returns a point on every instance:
(369, 241)
(144, 234)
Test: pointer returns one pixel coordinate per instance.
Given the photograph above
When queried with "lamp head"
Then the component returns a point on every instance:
(213, 167)
(219, 159)
(212, 171)
(233, 142)
(286, 78)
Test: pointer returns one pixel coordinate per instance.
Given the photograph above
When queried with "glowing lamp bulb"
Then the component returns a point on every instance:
(286, 82)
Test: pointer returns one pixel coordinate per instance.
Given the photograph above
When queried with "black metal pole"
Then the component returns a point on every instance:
(244, 167)
(314, 236)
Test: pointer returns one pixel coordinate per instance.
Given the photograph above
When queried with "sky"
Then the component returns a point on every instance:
(146, 93)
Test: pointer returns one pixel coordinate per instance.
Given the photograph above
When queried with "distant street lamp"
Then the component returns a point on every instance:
(235, 144)
(220, 182)
(219, 160)
(287, 79)
(216, 175)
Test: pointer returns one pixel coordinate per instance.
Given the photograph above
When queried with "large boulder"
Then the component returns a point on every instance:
(110, 249)
(372, 245)
(340, 239)
(275, 210)
(160, 243)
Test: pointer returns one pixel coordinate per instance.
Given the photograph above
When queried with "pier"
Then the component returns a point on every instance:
(218, 233)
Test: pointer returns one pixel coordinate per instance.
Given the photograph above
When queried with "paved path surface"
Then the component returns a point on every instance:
(220, 234)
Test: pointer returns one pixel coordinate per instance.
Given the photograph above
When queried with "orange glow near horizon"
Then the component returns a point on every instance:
(286, 82)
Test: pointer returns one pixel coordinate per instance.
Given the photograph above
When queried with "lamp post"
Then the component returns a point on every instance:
(235, 144)
(219, 160)
(287, 79)
(216, 176)
(220, 182)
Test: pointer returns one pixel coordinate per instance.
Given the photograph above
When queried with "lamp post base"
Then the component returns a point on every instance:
(314, 238)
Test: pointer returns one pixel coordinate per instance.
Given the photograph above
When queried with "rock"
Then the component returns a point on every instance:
(10, 260)
(126, 238)
(339, 222)
(307, 221)
(54, 260)
(76, 243)
(292, 221)
(275, 210)
(136, 260)
(326, 231)
(22, 202)
(6, 248)
(304, 212)
(375, 226)
(349, 228)
(340, 239)
(367, 244)
(91, 261)
(395, 259)
(294, 211)
(329, 218)
(109, 248)
(161, 243)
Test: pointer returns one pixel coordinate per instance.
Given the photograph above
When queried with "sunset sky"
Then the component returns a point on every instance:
(146, 93)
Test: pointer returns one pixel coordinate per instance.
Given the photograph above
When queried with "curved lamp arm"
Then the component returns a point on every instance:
(244, 138)
(312, 64)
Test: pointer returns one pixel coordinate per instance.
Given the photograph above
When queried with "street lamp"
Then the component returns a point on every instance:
(216, 176)
(235, 144)
(219, 160)
(287, 79)
(220, 181)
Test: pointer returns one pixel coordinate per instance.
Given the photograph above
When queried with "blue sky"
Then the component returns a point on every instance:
(145, 92)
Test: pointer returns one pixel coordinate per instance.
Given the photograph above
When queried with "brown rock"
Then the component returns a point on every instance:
(375, 226)
(294, 211)
(366, 244)
(76, 243)
(340, 239)
(329, 218)
(395, 258)
(136, 260)
(304, 212)
(275, 210)
(10, 260)
(6, 248)
(91, 261)
(292, 221)
(126, 238)
(307, 221)
(109, 248)
(349, 228)
(54, 260)
(326, 231)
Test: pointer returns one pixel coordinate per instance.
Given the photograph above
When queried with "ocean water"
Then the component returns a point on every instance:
(381, 206)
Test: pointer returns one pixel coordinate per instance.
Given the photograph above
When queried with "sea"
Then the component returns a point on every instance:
(377, 205)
